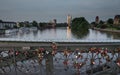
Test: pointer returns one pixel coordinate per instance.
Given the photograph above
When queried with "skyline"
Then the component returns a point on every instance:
(46, 10)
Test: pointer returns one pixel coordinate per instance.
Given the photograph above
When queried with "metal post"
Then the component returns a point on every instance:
(49, 64)
(14, 61)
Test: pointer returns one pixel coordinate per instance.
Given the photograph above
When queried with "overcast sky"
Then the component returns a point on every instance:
(46, 10)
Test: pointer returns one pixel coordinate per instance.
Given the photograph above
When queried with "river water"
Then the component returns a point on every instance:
(60, 34)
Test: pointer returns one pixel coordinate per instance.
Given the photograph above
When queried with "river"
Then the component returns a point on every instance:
(59, 34)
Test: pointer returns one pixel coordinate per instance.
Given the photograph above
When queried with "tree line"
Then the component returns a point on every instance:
(109, 24)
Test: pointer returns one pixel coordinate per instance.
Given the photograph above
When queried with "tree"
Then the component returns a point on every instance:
(80, 24)
(26, 23)
(110, 21)
(21, 24)
(41, 25)
(80, 27)
(35, 24)
(101, 22)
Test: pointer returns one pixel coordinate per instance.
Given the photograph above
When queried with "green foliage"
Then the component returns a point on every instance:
(116, 27)
(80, 33)
(42, 25)
(80, 27)
(103, 26)
(101, 22)
(110, 21)
(21, 24)
(35, 24)
(27, 24)
(80, 24)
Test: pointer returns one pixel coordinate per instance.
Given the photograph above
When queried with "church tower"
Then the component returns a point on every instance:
(97, 20)
(69, 18)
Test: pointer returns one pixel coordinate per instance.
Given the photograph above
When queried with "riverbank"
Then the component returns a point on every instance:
(107, 30)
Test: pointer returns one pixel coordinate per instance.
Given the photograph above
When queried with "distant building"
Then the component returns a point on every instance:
(2, 31)
(117, 19)
(54, 22)
(97, 20)
(69, 18)
(6, 25)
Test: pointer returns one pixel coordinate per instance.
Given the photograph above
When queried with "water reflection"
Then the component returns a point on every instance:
(113, 35)
(35, 33)
(68, 33)
(61, 33)
(80, 34)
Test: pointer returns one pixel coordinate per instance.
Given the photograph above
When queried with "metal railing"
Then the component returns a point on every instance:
(59, 40)
(41, 61)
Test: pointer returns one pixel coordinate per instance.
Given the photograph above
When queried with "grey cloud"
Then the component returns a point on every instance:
(42, 10)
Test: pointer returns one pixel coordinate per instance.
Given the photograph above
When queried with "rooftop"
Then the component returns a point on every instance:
(6, 21)
(117, 16)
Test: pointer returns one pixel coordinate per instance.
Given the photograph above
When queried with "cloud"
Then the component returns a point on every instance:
(36, 9)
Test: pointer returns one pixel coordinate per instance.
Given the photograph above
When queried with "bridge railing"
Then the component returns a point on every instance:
(41, 60)
(61, 40)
